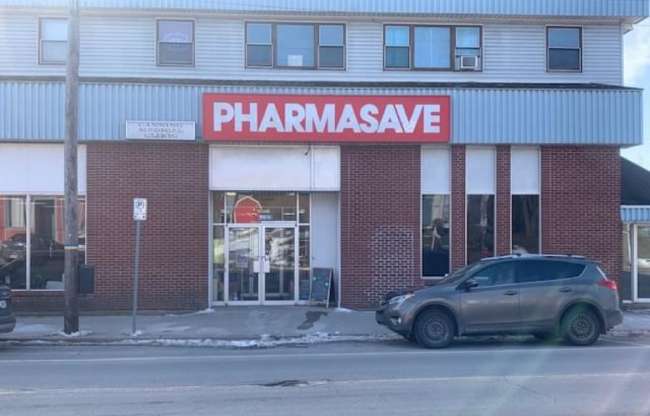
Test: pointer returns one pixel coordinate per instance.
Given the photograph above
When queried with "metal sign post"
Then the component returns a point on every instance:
(139, 216)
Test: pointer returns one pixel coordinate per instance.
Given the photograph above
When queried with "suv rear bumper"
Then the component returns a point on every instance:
(613, 318)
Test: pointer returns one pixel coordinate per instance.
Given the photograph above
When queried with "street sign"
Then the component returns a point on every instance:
(139, 209)
(161, 130)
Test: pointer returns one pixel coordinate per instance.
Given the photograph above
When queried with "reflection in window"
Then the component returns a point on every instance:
(525, 224)
(258, 44)
(13, 242)
(643, 261)
(47, 254)
(564, 48)
(54, 41)
(397, 49)
(431, 47)
(303, 263)
(218, 262)
(435, 235)
(480, 227)
(175, 42)
(256, 207)
(295, 45)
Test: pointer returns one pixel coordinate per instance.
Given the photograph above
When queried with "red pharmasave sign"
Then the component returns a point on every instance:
(326, 118)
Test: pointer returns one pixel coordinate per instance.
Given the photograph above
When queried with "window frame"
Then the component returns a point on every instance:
(452, 48)
(580, 49)
(316, 44)
(28, 199)
(42, 61)
(511, 263)
(422, 195)
(158, 42)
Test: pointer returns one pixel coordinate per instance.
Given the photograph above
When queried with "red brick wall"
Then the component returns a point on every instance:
(380, 222)
(504, 200)
(458, 254)
(581, 202)
(174, 262)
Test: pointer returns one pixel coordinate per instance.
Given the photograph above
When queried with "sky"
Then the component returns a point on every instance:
(637, 74)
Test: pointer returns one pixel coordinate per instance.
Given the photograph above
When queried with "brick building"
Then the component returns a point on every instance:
(390, 142)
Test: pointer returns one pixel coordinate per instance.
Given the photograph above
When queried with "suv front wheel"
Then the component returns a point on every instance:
(434, 329)
(580, 326)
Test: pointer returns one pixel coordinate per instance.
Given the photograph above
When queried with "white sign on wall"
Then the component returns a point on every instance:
(161, 130)
(139, 209)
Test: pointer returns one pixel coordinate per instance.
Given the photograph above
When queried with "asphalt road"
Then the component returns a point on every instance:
(511, 377)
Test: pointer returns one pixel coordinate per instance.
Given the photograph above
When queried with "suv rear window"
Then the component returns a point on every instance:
(547, 270)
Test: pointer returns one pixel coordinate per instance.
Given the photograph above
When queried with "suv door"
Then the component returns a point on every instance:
(492, 306)
(546, 286)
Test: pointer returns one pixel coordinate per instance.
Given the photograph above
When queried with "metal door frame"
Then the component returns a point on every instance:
(261, 277)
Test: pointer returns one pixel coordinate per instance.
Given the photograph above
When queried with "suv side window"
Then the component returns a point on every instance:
(547, 270)
(495, 275)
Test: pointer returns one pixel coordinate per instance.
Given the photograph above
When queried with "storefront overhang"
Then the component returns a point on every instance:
(483, 113)
(631, 9)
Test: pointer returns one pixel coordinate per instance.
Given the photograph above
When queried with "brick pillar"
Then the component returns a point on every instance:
(503, 202)
(380, 222)
(581, 191)
(458, 254)
(174, 257)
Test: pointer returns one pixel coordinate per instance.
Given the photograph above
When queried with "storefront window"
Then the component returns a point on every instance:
(435, 235)
(47, 239)
(13, 242)
(643, 261)
(625, 284)
(255, 207)
(480, 227)
(218, 262)
(303, 263)
(525, 224)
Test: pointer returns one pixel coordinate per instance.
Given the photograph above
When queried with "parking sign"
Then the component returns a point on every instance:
(139, 209)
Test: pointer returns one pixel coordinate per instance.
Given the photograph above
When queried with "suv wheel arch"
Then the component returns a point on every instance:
(439, 307)
(586, 304)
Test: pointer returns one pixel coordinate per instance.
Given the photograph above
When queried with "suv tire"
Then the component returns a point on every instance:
(434, 329)
(580, 326)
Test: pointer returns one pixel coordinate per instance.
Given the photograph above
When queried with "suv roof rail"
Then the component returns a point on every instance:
(520, 255)
(571, 256)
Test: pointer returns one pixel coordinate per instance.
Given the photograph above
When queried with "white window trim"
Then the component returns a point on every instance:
(157, 41)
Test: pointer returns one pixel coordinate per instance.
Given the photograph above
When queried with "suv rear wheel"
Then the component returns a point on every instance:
(580, 326)
(434, 329)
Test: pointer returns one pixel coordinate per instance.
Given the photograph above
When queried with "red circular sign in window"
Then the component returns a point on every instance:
(247, 210)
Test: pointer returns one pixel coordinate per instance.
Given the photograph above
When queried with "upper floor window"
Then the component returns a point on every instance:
(176, 42)
(295, 45)
(53, 41)
(564, 48)
(443, 48)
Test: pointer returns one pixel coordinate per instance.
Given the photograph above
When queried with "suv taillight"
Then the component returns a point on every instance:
(609, 284)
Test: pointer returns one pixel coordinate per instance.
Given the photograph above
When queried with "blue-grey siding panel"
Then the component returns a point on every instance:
(480, 115)
(634, 214)
(619, 8)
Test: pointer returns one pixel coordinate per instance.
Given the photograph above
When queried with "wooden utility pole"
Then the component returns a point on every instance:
(71, 283)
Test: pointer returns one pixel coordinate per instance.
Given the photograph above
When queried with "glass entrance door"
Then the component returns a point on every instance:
(243, 280)
(279, 263)
(643, 263)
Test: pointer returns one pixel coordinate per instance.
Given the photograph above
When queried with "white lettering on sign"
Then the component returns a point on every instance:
(326, 118)
(299, 118)
(161, 130)
(139, 209)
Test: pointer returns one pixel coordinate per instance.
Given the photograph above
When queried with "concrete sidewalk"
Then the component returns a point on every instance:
(238, 326)
(233, 323)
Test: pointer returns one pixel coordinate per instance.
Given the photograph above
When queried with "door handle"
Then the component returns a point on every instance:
(566, 290)
(510, 293)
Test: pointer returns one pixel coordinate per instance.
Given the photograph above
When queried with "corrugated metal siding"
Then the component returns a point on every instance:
(480, 115)
(125, 47)
(631, 8)
(635, 214)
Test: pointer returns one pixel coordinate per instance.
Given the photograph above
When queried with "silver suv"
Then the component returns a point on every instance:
(542, 295)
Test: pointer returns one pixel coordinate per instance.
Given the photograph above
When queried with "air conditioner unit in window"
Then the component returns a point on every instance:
(469, 63)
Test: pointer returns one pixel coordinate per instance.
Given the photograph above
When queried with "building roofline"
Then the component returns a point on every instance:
(330, 84)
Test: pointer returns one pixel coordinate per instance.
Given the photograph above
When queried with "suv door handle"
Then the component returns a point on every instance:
(566, 290)
(510, 293)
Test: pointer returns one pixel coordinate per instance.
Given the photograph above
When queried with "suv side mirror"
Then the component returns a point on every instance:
(469, 284)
